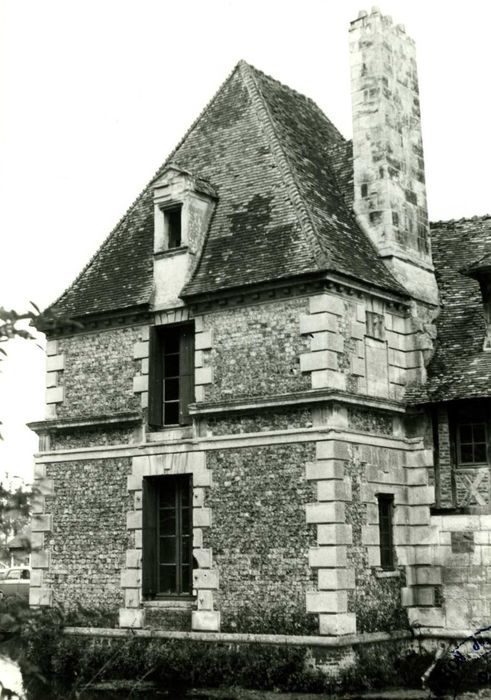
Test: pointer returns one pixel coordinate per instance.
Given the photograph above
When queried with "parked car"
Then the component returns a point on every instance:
(16, 582)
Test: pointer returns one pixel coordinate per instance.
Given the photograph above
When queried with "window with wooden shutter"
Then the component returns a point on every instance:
(167, 536)
(171, 375)
(385, 510)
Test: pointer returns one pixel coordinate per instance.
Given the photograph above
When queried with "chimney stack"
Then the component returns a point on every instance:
(389, 180)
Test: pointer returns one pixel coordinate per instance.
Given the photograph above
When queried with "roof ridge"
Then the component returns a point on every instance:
(301, 210)
(463, 219)
(148, 185)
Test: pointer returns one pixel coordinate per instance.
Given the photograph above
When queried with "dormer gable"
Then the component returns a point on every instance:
(183, 205)
(481, 271)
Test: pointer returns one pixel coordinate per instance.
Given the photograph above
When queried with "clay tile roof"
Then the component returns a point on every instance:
(460, 368)
(283, 176)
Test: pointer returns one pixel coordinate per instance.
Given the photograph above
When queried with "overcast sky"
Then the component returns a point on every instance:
(95, 93)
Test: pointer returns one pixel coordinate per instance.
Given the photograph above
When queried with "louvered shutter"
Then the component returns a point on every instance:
(149, 539)
(155, 379)
(186, 373)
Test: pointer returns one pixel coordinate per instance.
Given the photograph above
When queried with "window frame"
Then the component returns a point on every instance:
(471, 424)
(157, 377)
(386, 531)
(153, 487)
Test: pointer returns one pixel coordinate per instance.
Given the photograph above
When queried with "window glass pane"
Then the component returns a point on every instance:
(171, 413)
(167, 550)
(171, 389)
(465, 433)
(480, 452)
(13, 574)
(185, 494)
(172, 342)
(186, 549)
(167, 579)
(186, 579)
(466, 453)
(171, 366)
(167, 494)
(185, 520)
(167, 522)
(479, 433)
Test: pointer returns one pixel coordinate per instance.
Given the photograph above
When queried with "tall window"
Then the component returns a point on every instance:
(172, 226)
(171, 375)
(385, 510)
(472, 443)
(167, 536)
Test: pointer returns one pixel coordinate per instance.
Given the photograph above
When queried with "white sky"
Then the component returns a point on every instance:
(95, 93)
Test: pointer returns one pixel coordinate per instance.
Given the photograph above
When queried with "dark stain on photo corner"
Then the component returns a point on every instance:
(464, 668)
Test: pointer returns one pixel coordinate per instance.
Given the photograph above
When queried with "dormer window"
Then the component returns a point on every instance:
(481, 271)
(173, 226)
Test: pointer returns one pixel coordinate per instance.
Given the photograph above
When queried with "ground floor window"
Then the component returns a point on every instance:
(385, 511)
(167, 536)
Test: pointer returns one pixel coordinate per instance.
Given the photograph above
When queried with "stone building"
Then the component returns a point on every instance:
(256, 418)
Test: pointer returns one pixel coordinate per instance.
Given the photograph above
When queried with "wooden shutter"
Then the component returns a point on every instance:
(149, 538)
(155, 379)
(186, 373)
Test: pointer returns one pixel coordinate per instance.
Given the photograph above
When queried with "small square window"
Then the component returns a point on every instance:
(375, 325)
(472, 443)
(172, 226)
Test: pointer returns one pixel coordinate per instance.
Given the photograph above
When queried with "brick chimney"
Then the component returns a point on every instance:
(389, 180)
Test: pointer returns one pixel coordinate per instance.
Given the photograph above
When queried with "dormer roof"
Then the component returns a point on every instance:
(278, 167)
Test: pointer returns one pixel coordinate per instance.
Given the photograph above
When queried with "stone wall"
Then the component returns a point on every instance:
(255, 350)
(345, 354)
(463, 550)
(260, 538)
(98, 373)
(88, 539)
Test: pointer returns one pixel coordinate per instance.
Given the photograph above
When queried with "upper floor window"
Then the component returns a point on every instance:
(472, 443)
(173, 226)
(171, 375)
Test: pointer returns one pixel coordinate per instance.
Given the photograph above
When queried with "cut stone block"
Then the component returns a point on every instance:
(332, 449)
(40, 596)
(205, 600)
(55, 394)
(334, 491)
(55, 363)
(132, 598)
(140, 383)
(337, 624)
(203, 375)
(131, 617)
(51, 347)
(140, 350)
(327, 601)
(324, 359)
(205, 578)
(335, 534)
(313, 323)
(328, 512)
(42, 523)
(133, 559)
(134, 520)
(203, 341)
(335, 579)
(131, 578)
(324, 469)
(327, 557)
(328, 379)
(202, 517)
(205, 621)
(203, 557)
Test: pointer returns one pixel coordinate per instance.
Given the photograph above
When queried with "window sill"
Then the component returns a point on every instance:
(170, 252)
(383, 573)
(171, 604)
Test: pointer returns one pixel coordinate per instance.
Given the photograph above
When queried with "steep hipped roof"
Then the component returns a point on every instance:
(275, 160)
(460, 368)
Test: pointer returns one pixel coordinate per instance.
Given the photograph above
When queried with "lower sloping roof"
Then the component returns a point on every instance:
(460, 368)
